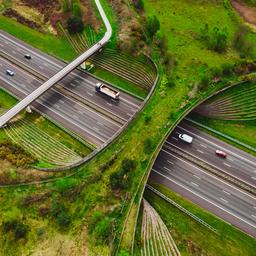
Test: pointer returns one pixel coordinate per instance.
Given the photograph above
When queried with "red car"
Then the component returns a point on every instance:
(221, 153)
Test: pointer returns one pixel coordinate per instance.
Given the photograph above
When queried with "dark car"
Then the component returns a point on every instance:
(27, 56)
(221, 153)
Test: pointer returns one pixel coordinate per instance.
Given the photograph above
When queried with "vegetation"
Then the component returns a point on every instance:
(190, 235)
(181, 22)
(152, 25)
(75, 24)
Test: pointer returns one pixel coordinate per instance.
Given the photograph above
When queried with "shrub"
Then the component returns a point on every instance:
(148, 145)
(76, 9)
(75, 25)
(59, 212)
(119, 180)
(152, 25)
(128, 165)
(103, 229)
(19, 229)
(147, 119)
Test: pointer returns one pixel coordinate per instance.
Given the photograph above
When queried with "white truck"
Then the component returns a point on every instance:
(102, 88)
(186, 138)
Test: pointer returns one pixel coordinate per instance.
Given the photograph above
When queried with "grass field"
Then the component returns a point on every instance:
(88, 193)
(194, 239)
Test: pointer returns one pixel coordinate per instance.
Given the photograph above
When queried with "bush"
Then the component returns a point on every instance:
(59, 212)
(152, 25)
(75, 25)
(19, 229)
(119, 180)
(147, 119)
(103, 229)
(128, 165)
(76, 9)
(148, 146)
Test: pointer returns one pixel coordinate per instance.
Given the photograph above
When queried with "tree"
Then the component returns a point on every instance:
(128, 165)
(75, 25)
(220, 40)
(152, 25)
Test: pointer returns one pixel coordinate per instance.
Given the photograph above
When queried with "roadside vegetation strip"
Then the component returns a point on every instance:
(42, 145)
(155, 236)
(182, 209)
(221, 134)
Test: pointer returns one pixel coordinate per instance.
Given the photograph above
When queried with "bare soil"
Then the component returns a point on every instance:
(247, 12)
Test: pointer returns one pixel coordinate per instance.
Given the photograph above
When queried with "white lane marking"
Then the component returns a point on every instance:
(193, 183)
(254, 207)
(202, 145)
(175, 138)
(89, 93)
(254, 178)
(228, 165)
(13, 52)
(253, 216)
(224, 200)
(73, 84)
(223, 148)
(166, 168)
(226, 192)
(231, 159)
(200, 151)
(170, 162)
(214, 177)
(204, 198)
(196, 177)
(109, 104)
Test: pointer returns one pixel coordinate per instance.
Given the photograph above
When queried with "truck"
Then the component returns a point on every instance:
(186, 138)
(104, 89)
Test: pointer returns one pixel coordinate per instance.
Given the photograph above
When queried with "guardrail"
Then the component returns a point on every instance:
(182, 209)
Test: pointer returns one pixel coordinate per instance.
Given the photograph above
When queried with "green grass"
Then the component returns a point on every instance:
(181, 22)
(190, 235)
(244, 131)
(164, 108)
(119, 82)
(50, 44)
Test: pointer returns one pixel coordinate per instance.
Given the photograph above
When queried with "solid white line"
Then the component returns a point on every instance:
(193, 192)
(224, 149)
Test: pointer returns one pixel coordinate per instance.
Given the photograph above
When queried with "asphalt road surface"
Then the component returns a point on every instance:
(62, 72)
(80, 83)
(92, 126)
(217, 196)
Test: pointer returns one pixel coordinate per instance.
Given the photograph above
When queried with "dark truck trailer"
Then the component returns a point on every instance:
(102, 88)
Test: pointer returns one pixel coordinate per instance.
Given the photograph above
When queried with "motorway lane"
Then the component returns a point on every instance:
(89, 124)
(211, 193)
(238, 163)
(77, 81)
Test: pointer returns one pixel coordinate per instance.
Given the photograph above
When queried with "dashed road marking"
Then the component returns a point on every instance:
(193, 183)
(170, 162)
(224, 200)
(202, 145)
(228, 165)
(200, 151)
(226, 192)
(196, 177)
(175, 138)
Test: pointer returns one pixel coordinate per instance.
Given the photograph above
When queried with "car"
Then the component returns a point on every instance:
(186, 138)
(9, 72)
(221, 153)
(27, 56)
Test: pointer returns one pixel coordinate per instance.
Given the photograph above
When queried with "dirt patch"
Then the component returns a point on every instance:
(247, 12)
(9, 174)
(14, 14)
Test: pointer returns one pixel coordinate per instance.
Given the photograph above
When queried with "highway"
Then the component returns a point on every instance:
(60, 74)
(78, 82)
(210, 192)
(90, 125)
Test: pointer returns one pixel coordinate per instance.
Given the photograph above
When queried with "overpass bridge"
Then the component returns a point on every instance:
(6, 117)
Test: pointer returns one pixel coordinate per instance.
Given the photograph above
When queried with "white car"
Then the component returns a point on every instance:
(9, 72)
(186, 138)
